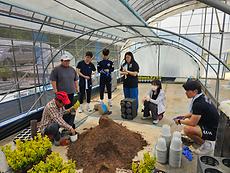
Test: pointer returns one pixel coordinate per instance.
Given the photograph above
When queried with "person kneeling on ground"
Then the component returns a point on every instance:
(52, 117)
(202, 121)
(154, 102)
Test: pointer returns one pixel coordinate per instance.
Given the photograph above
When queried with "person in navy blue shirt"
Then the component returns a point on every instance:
(130, 70)
(84, 70)
(105, 68)
(201, 123)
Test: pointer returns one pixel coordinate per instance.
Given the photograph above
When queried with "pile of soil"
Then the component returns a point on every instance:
(105, 147)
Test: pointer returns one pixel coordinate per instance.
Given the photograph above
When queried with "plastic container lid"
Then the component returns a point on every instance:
(161, 144)
(176, 144)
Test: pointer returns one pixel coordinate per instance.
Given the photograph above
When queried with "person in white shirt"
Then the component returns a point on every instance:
(154, 102)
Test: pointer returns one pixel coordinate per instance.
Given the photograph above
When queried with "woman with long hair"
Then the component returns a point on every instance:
(130, 70)
(154, 102)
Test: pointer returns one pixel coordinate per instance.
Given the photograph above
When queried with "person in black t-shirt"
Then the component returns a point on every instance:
(202, 121)
(130, 70)
(105, 68)
(84, 70)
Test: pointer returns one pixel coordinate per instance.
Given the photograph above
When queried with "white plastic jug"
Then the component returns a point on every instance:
(166, 133)
(177, 134)
(3, 163)
(175, 152)
(161, 150)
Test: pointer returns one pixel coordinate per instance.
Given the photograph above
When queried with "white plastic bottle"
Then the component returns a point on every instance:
(3, 163)
(175, 152)
(177, 134)
(161, 151)
(166, 133)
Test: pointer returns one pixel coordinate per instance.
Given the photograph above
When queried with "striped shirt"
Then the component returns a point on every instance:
(53, 114)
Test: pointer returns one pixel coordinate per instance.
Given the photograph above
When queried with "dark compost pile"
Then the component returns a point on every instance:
(105, 147)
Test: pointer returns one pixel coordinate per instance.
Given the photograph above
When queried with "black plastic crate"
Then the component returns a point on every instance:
(211, 164)
(128, 108)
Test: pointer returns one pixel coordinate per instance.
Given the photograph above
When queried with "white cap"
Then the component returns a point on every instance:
(65, 57)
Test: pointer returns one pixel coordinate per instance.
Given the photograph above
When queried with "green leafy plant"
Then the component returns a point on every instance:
(27, 153)
(146, 165)
(54, 164)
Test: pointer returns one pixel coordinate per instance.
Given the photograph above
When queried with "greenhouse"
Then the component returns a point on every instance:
(115, 86)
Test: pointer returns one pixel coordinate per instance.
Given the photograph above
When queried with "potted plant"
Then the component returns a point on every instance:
(54, 163)
(28, 153)
(147, 165)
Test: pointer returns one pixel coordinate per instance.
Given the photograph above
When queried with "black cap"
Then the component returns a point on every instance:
(192, 85)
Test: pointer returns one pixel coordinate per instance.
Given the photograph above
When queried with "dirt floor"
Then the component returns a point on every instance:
(176, 104)
(106, 147)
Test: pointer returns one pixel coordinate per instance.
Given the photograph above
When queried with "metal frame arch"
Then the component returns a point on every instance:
(150, 27)
(180, 47)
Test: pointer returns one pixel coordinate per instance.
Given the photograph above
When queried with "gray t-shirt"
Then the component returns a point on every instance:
(65, 78)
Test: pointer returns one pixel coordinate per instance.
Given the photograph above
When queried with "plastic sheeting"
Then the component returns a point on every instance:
(90, 15)
(147, 58)
(148, 9)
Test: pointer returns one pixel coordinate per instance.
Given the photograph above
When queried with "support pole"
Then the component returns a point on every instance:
(220, 53)
(158, 62)
(204, 28)
(209, 47)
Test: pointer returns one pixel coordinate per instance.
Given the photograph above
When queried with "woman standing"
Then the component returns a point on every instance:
(130, 70)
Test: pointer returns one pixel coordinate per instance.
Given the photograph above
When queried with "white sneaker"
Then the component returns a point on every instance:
(110, 103)
(155, 121)
(206, 148)
(80, 109)
(88, 108)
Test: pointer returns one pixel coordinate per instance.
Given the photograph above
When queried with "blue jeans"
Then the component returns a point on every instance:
(131, 93)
